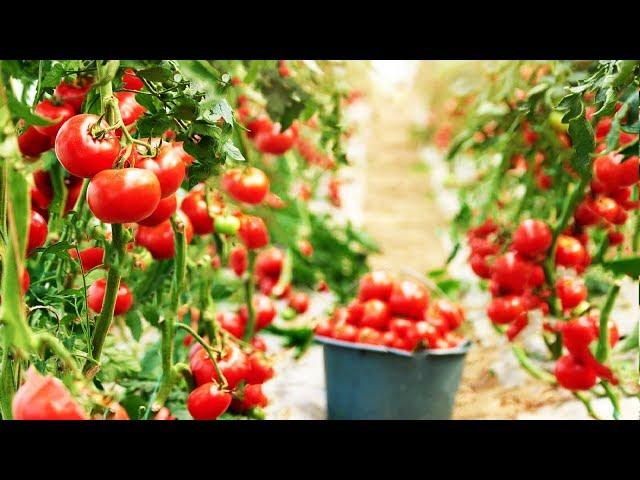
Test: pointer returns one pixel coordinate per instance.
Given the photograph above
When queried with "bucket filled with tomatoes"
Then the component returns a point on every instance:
(391, 354)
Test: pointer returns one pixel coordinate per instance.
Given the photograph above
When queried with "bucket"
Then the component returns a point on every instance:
(369, 382)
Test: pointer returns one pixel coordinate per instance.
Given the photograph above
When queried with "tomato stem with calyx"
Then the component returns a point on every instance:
(248, 292)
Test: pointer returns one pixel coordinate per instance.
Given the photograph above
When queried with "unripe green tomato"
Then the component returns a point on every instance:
(227, 224)
(289, 314)
(555, 119)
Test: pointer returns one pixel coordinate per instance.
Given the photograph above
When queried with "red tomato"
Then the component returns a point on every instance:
(159, 240)
(369, 336)
(38, 231)
(179, 148)
(622, 196)
(572, 374)
(269, 262)
(629, 171)
(162, 213)
(95, 297)
(530, 137)
(511, 272)
(258, 344)
(607, 208)
(73, 93)
(614, 335)
(168, 167)
(259, 125)
(390, 338)
(503, 310)
(532, 238)
(58, 113)
(484, 230)
(585, 214)
(251, 397)
(194, 206)
(483, 246)
(450, 312)
(375, 285)
(355, 310)
(253, 232)
(305, 247)
(164, 414)
(249, 185)
(26, 281)
(89, 257)
(615, 238)
(480, 266)
(131, 81)
(232, 323)
(208, 402)
(428, 332)
(266, 284)
(234, 366)
(401, 326)
(123, 196)
(265, 311)
(375, 314)
(346, 333)
(32, 143)
(324, 329)
(259, 370)
(603, 127)
(44, 398)
(408, 299)
(571, 292)
(544, 181)
(274, 201)
(276, 142)
(79, 152)
(130, 109)
(299, 301)
(570, 252)
(238, 260)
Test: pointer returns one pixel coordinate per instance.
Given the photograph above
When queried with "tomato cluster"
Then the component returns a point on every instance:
(395, 314)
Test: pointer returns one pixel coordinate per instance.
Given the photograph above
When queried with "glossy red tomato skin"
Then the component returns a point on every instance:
(299, 301)
(95, 297)
(90, 258)
(166, 207)
(574, 375)
(269, 262)
(33, 143)
(168, 167)
(38, 231)
(259, 125)
(44, 398)
(249, 185)
(25, 281)
(571, 292)
(58, 113)
(239, 260)
(208, 402)
(629, 171)
(354, 312)
(276, 142)
(585, 214)
(347, 333)
(130, 109)
(480, 266)
(450, 312)
(253, 232)
(577, 334)
(251, 397)
(532, 238)
(375, 314)
(79, 152)
(511, 273)
(131, 81)
(264, 309)
(125, 195)
(369, 336)
(504, 310)
(232, 323)
(195, 207)
(234, 366)
(73, 93)
(570, 252)
(159, 240)
(409, 299)
(375, 285)
(259, 369)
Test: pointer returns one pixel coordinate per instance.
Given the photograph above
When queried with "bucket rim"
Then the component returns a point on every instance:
(461, 349)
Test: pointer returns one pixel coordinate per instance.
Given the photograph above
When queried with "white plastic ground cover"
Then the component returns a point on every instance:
(625, 313)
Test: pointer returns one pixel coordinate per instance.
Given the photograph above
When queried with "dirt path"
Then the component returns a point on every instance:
(399, 215)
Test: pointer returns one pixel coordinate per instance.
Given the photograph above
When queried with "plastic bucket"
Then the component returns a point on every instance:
(367, 382)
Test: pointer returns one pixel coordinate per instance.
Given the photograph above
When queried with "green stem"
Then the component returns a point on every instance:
(604, 348)
(248, 293)
(7, 385)
(105, 318)
(168, 323)
(46, 339)
(529, 366)
(213, 354)
(587, 404)
(613, 397)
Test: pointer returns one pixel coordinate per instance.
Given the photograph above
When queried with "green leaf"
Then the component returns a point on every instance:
(23, 111)
(133, 321)
(232, 151)
(628, 266)
(155, 74)
(584, 144)
(222, 109)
